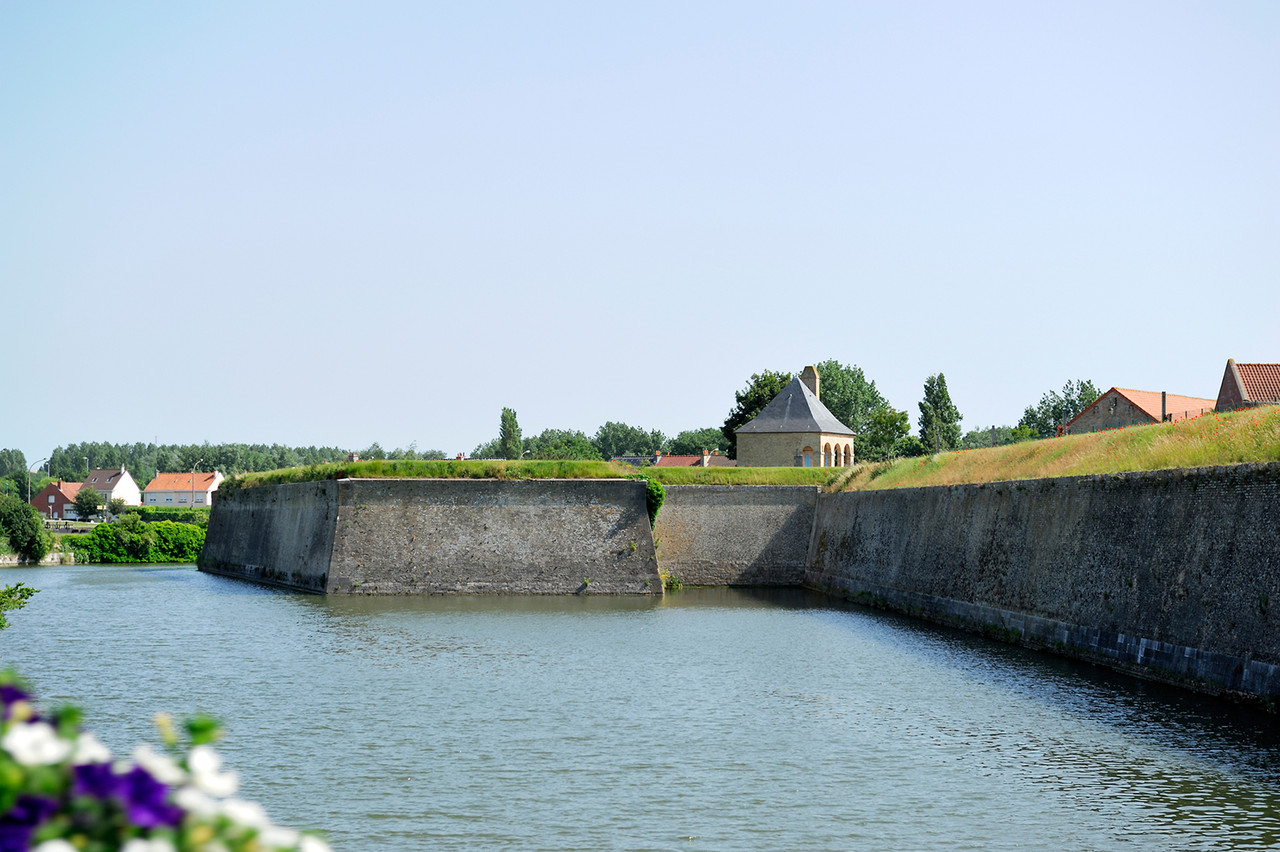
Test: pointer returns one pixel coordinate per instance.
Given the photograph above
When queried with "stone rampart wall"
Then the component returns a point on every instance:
(282, 535)
(486, 536)
(371, 536)
(1175, 574)
(730, 535)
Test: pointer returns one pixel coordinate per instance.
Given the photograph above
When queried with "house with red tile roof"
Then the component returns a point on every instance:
(1248, 385)
(707, 459)
(182, 489)
(57, 501)
(1120, 407)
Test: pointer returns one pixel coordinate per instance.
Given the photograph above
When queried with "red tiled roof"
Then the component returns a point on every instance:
(180, 482)
(1149, 401)
(70, 489)
(713, 460)
(1261, 381)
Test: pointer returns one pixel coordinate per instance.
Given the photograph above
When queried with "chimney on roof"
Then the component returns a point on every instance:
(1164, 406)
(706, 458)
(809, 376)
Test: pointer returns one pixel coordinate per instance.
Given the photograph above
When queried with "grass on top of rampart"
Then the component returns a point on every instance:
(1251, 435)
(431, 469)
(509, 470)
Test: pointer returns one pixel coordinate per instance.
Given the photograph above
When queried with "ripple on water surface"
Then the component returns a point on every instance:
(715, 719)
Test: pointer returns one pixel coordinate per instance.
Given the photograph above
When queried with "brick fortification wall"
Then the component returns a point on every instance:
(1173, 574)
(731, 535)
(371, 536)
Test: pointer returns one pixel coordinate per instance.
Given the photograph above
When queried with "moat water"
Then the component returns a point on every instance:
(712, 720)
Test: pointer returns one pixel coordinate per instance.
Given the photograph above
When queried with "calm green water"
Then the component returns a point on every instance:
(713, 720)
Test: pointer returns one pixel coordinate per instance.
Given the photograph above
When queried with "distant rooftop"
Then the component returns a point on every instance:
(795, 409)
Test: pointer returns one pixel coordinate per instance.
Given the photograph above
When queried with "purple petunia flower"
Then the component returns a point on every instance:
(145, 800)
(97, 780)
(19, 822)
(10, 695)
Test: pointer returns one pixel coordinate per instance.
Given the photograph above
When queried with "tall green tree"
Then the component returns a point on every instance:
(12, 461)
(883, 435)
(509, 442)
(561, 444)
(849, 395)
(88, 502)
(694, 441)
(939, 418)
(759, 392)
(1057, 409)
(22, 525)
(619, 439)
(995, 436)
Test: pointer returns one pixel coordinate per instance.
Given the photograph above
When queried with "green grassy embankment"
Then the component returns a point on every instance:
(1214, 439)
(511, 470)
(424, 469)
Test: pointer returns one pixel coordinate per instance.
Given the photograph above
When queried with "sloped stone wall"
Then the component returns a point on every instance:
(281, 535)
(1175, 574)
(369, 536)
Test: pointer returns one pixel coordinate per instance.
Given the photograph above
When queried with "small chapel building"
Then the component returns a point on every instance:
(795, 430)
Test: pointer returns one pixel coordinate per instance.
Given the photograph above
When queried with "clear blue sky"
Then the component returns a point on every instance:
(330, 224)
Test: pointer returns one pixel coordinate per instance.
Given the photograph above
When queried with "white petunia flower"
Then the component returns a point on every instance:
(193, 801)
(204, 763)
(275, 837)
(313, 844)
(89, 749)
(161, 768)
(138, 844)
(37, 744)
(245, 813)
(55, 845)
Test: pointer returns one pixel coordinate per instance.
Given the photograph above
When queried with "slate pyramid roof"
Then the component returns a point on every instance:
(796, 409)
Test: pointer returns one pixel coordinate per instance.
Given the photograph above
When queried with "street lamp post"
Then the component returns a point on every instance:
(42, 461)
(192, 505)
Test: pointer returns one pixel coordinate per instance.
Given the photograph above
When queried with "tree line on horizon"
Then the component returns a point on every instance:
(880, 432)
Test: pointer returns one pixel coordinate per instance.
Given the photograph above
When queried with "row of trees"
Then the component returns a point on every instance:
(881, 431)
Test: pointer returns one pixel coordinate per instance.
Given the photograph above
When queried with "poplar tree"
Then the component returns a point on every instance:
(509, 443)
(939, 419)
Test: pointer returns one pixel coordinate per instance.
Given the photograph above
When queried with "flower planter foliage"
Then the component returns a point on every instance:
(61, 790)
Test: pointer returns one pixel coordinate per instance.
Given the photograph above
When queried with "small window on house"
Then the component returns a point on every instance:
(199, 499)
(50, 498)
(168, 499)
(182, 499)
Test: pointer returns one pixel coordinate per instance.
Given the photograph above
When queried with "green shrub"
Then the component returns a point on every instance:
(22, 525)
(132, 540)
(179, 514)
